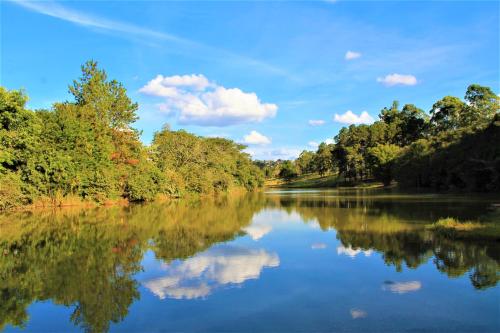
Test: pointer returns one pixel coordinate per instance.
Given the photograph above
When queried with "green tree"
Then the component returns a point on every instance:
(447, 113)
(414, 124)
(305, 162)
(108, 100)
(323, 159)
(383, 159)
(483, 105)
(288, 171)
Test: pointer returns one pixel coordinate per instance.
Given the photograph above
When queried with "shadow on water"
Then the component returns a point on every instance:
(87, 259)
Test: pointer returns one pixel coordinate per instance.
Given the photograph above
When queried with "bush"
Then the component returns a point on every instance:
(11, 194)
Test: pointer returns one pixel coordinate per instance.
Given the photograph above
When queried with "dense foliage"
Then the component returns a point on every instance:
(457, 146)
(86, 149)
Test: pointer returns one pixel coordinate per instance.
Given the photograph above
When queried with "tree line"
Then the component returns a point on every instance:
(86, 149)
(454, 146)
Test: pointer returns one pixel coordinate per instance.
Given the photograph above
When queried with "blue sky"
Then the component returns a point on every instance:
(280, 76)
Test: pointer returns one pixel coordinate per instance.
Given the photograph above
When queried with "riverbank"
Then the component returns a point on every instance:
(72, 201)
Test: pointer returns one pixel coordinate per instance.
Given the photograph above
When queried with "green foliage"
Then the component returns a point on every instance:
(455, 148)
(383, 158)
(465, 159)
(11, 194)
(448, 113)
(87, 148)
(322, 160)
(305, 163)
(205, 165)
(287, 171)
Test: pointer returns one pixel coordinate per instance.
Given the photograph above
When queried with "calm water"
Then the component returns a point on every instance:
(281, 261)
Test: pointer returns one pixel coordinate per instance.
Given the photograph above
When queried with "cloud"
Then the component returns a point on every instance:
(356, 314)
(350, 55)
(255, 138)
(318, 122)
(395, 79)
(257, 231)
(200, 102)
(402, 287)
(349, 251)
(197, 82)
(221, 265)
(313, 144)
(318, 246)
(57, 11)
(329, 141)
(261, 153)
(168, 287)
(350, 118)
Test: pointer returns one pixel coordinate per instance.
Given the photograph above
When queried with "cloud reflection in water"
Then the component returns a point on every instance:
(196, 277)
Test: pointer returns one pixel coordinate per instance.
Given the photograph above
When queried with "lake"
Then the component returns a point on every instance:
(278, 261)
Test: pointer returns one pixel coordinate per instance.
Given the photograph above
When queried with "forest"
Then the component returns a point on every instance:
(86, 151)
(455, 146)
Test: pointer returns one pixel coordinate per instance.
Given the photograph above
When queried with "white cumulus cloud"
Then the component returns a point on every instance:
(351, 118)
(350, 55)
(255, 138)
(395, 79)
(198, 101)
(318, 122)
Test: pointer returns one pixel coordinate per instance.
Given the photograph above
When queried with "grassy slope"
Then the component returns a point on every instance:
(316, 181)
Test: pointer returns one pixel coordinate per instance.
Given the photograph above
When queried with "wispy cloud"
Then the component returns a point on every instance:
(317, 122)
(351, 55)
(282, 153)
(55, 10)
(313, 144)
(402, 287)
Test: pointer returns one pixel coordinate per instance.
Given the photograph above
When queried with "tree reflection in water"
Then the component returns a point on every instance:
(87, 259)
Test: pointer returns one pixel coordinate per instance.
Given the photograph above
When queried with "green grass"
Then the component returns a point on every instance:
(317, 181)
(454, 228)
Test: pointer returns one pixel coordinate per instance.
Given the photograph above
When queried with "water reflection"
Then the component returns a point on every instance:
(402, 287)
(349, 251)
(89, 260)
(221, 265)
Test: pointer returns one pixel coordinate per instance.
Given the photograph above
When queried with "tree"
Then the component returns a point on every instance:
(447, 113)
(414, 124)
(108, 100)
(305, 162)
(483, 104)
(382, 160)
(287, 171)
(323, 159)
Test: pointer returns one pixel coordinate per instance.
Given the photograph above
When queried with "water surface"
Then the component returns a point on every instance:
(280, 261)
